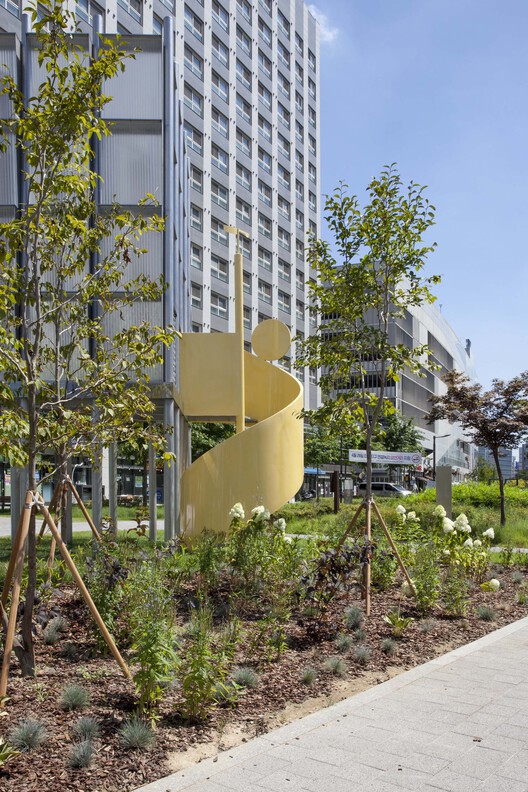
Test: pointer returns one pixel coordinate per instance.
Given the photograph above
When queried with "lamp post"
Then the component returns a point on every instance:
(239, 321)
(435, 438)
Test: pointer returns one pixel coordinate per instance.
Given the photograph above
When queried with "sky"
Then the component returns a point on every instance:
(440, 88)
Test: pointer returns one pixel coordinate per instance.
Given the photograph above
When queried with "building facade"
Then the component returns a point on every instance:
(506, 461)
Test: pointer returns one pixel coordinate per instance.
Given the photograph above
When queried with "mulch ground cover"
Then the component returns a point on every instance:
(74, 660)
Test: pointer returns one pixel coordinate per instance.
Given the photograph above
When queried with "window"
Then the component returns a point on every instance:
(264, 291)
(196, 295)
(284, 238)
(299, 161)
(299, 190)
(220, 15)
(243, 108)
(299, 44)
(264, 63)
(243, 142)
(283, 53)
(264, 192)
(246, 282)
(193, 61)
(245, 247)
(264, 160)
(196, 256)
(243, 40)
(283, 145)
(243, 176)
(299, 249)
(266, 4)
(264, 31)
(312, 172)
(247, 317)
(264, 128)
(219, 305)
(312, 227)
(299, 73)
(312, 201)
(299, 220)
(193, 99)
(217, 231)
(196, 179)
(284, 115)
(299, 131)
(220, 51)
(220, 122)
(219, 268)
(196, 327)
(283, 206)
(312, 145)
(312, 117)
(311, 88)
(312, 376)
(264, 258)
(283, 24)
(265, 96)
(284, 270)
(284, 301)
(220, 86)
(219, 195)
(193, 23)
(157, 25)
(245, 9)
(299, 309)
(299, 102)
(169, 4)
(243, 74)
(264, 225)
(133, 7)
(284, 84)
(220, 158)
(299, 279)
(193, 137)
(196, 217)
(283, 176)
(311, 59)
(243, 211)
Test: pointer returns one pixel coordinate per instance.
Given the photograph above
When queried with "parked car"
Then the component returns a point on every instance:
(386, 488)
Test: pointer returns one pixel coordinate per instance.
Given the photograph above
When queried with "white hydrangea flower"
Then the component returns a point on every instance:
(447, 552)
(237, 512)
(260, 514)
(477, 543)
(468, 542)
(489, 534)
(287, 539)
(400, 509)
(411, 515)
(406, 589)
(439, 511)
(494, 584)
(280, 524)
(462, 523)
(448, 525)
(461, 519)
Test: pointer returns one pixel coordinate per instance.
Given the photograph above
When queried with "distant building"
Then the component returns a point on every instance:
(506, 461)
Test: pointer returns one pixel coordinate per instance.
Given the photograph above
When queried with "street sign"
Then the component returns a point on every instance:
(386, 457)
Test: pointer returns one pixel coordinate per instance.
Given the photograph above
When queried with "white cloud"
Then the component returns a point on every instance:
(328, 34)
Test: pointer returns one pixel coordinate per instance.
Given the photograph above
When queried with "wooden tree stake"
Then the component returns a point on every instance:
(394, 548)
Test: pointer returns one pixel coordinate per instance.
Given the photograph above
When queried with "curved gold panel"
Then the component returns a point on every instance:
(263, 465)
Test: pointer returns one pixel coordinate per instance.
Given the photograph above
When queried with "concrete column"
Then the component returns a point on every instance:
(444, 485)
(112, 484)
(153, 506)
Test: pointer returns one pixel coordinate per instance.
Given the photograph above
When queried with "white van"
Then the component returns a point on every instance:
(386, 488)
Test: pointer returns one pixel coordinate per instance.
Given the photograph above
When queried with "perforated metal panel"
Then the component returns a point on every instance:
(131, 163)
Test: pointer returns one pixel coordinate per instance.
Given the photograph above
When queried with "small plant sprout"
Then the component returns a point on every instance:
(354, 617)
(517, 577)
(389, 646)
(28, 734)
(343, 643)
(486, 613)
(308, 676)
(335, 665)
(135, 734)
(74, 697)
(245, 677)
(427, 626)
(398, 622)
(359, 635)
(50, 635)
(226, 693)
(86, 728)
(80, 754)
(6, 752)
(362, 654)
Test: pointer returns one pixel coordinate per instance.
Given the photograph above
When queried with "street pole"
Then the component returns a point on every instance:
(239, 323)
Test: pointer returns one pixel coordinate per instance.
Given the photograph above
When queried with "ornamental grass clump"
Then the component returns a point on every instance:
(344, 643)
(354, 617)
(74, 697)
(517, 577)
(362, 654)
(245, 677)
(86, 728)
(308, 676)
(389, 646)
(80, 755)
(50, 635)
(486, 613)
(335, 665)
(28, 734)
(134, 734)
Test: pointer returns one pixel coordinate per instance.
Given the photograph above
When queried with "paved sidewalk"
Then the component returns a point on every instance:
(457, 723)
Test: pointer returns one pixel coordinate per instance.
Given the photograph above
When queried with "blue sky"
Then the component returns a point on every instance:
(440, 88)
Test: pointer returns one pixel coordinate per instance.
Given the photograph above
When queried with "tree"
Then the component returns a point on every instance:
(494, 418)
(207, 435)
(374, 275)
(400, 434)
(482, 471)
(68, 384)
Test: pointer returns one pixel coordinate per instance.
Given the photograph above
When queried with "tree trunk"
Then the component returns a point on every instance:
(495, 452)
(27, 656)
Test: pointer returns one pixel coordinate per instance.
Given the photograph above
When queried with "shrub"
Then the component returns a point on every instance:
(427, 626)
(426, 576)
(245, 677)
(517, 577)
(455, 592)
(308, 676)
(226, 693)
(50, 635)
(86, 728)
(354, 617)
(383, 568)
(486, 613)
(135, 734)
(389, 646)
(330, 572)
(362, 654)
(80, 754)
(28, 734)
(74, 697)
(398, 622)
(335, 665)
(343, 643)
